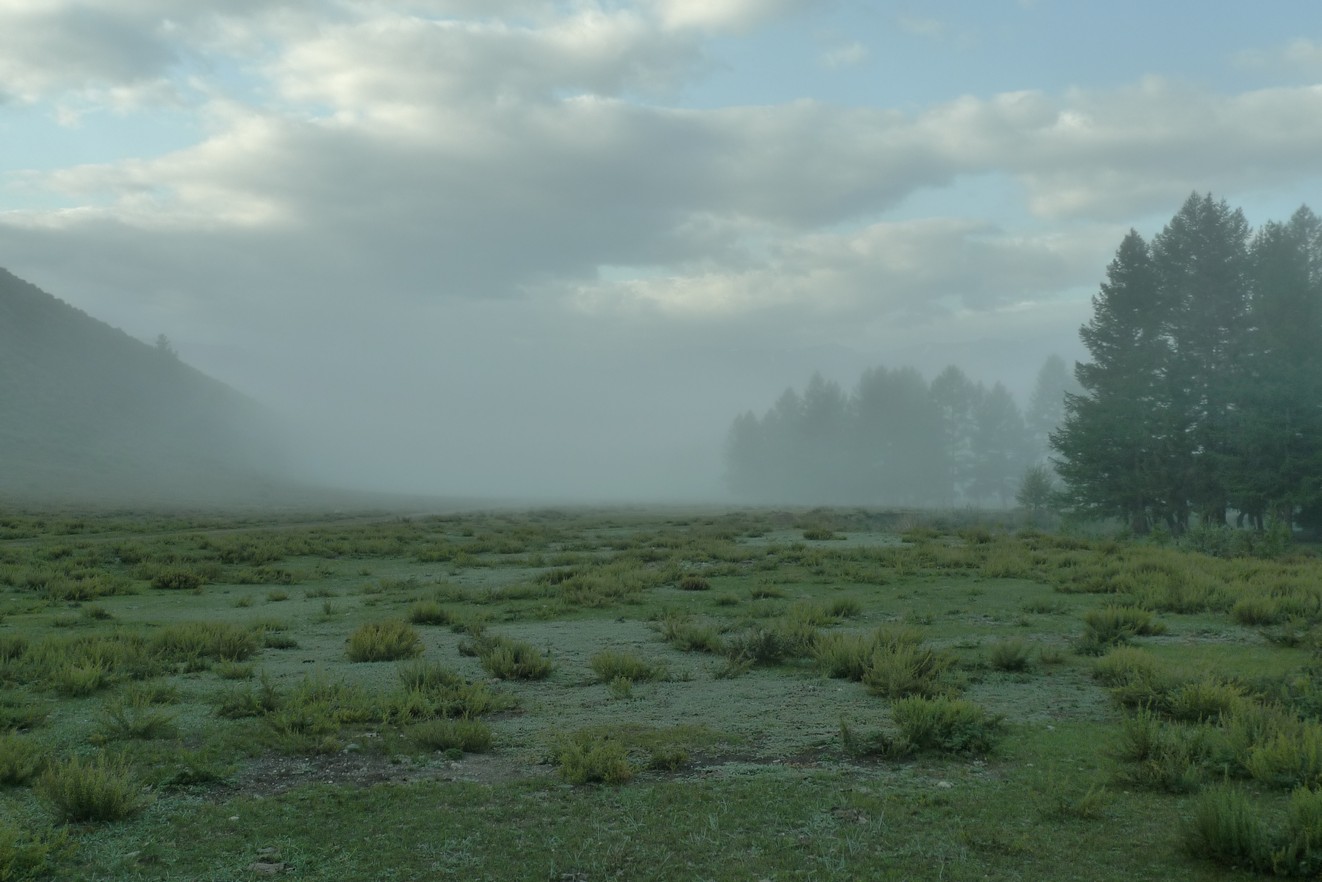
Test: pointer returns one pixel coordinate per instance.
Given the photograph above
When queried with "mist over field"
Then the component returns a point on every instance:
(543, 252)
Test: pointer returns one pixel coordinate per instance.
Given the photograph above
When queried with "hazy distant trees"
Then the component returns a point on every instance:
(1204, 392)
(894, 440)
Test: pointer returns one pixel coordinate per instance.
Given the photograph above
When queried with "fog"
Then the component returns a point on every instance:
(544, 252)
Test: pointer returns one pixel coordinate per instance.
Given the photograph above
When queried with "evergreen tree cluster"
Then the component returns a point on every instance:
(1203, 395)
(895, 440)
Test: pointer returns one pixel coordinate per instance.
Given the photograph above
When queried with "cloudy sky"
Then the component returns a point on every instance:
(536, 248)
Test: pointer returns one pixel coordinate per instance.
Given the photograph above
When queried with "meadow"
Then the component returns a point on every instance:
(581, 695)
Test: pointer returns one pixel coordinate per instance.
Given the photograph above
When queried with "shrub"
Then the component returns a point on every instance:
(28, 856)
(177, 580)
(1257, 609)
(844, 656)
(1137, 679)
(610, 664)
(946, 725)
(76, 679)
(1204, 701)
(121, 720)
(1225, 828)
(96, 790)
(20, 760)
(1164, 757)
(384, 641)
(844, 608)
(1117, 624)
(694, 583)
(903, 669)
(1010, 655)
(687, 635)
(470, 736)
(1290, 758)
(429, 612)
(513, 660)
(247, 701)
(584, 758)
(190, 641)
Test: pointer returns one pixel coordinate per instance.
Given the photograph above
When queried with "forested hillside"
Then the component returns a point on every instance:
(88, 412)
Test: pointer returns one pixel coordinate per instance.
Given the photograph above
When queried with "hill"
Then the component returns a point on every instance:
(89, 414)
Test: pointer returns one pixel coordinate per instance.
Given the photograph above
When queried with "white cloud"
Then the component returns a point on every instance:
(846, 55)
(723, 15)
(1301, 56)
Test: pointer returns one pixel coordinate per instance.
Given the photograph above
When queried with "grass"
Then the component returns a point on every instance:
(383, 641)
(974, 743)
(610, 665)
(91, 790)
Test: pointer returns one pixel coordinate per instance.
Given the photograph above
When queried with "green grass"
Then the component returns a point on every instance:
(857, 708)
(383, 641)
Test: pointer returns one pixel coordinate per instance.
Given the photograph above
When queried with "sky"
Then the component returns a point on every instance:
(543, 250)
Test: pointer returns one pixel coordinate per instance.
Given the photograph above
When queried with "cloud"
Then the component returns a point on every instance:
(899, 272)
(723, 15)
(511, 203)
(1301, 56)
(846, 55)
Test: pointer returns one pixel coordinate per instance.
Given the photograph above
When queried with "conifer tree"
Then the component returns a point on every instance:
(1111, 446)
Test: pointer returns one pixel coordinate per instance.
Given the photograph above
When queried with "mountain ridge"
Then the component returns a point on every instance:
(90, 413)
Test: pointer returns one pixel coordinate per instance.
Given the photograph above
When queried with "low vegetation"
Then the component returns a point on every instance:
(792, 705)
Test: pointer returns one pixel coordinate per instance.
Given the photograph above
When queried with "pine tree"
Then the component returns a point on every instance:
(897, 452)
(1000, 447)
(1046, 406)
(1112, 444)
(1277, 467)
(1201, 261)
(957, 399)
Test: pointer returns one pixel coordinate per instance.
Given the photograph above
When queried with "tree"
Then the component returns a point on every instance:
(165, 347)
(897, 451)
(745, 457)
(1037, 489)
(1201, 261)
(1000, 447)
(1112, 444)
(1046, 406)
(957, 399)
(1277, 464)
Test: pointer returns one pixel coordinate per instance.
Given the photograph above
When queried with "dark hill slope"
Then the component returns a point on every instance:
(88, 414)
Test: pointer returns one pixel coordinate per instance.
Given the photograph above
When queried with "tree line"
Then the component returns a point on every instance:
(1203, 395)
(895, 439)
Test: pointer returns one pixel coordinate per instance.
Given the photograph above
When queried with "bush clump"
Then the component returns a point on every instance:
(429, 612)
(946, 725)
(96, 790)
(469, 736)
(584, 758)
(611, 664)
(510, 659)
(177, 580)
(384, 641)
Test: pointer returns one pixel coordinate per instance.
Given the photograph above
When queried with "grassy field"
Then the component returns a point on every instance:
(590, 695)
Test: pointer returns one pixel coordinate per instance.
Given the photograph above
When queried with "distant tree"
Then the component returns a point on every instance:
(823, 470)
(897, 456)
(1000, 447)
(957, 399)
(165, 347)
(1037, 489)
(745, 457)
(1046, 406)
